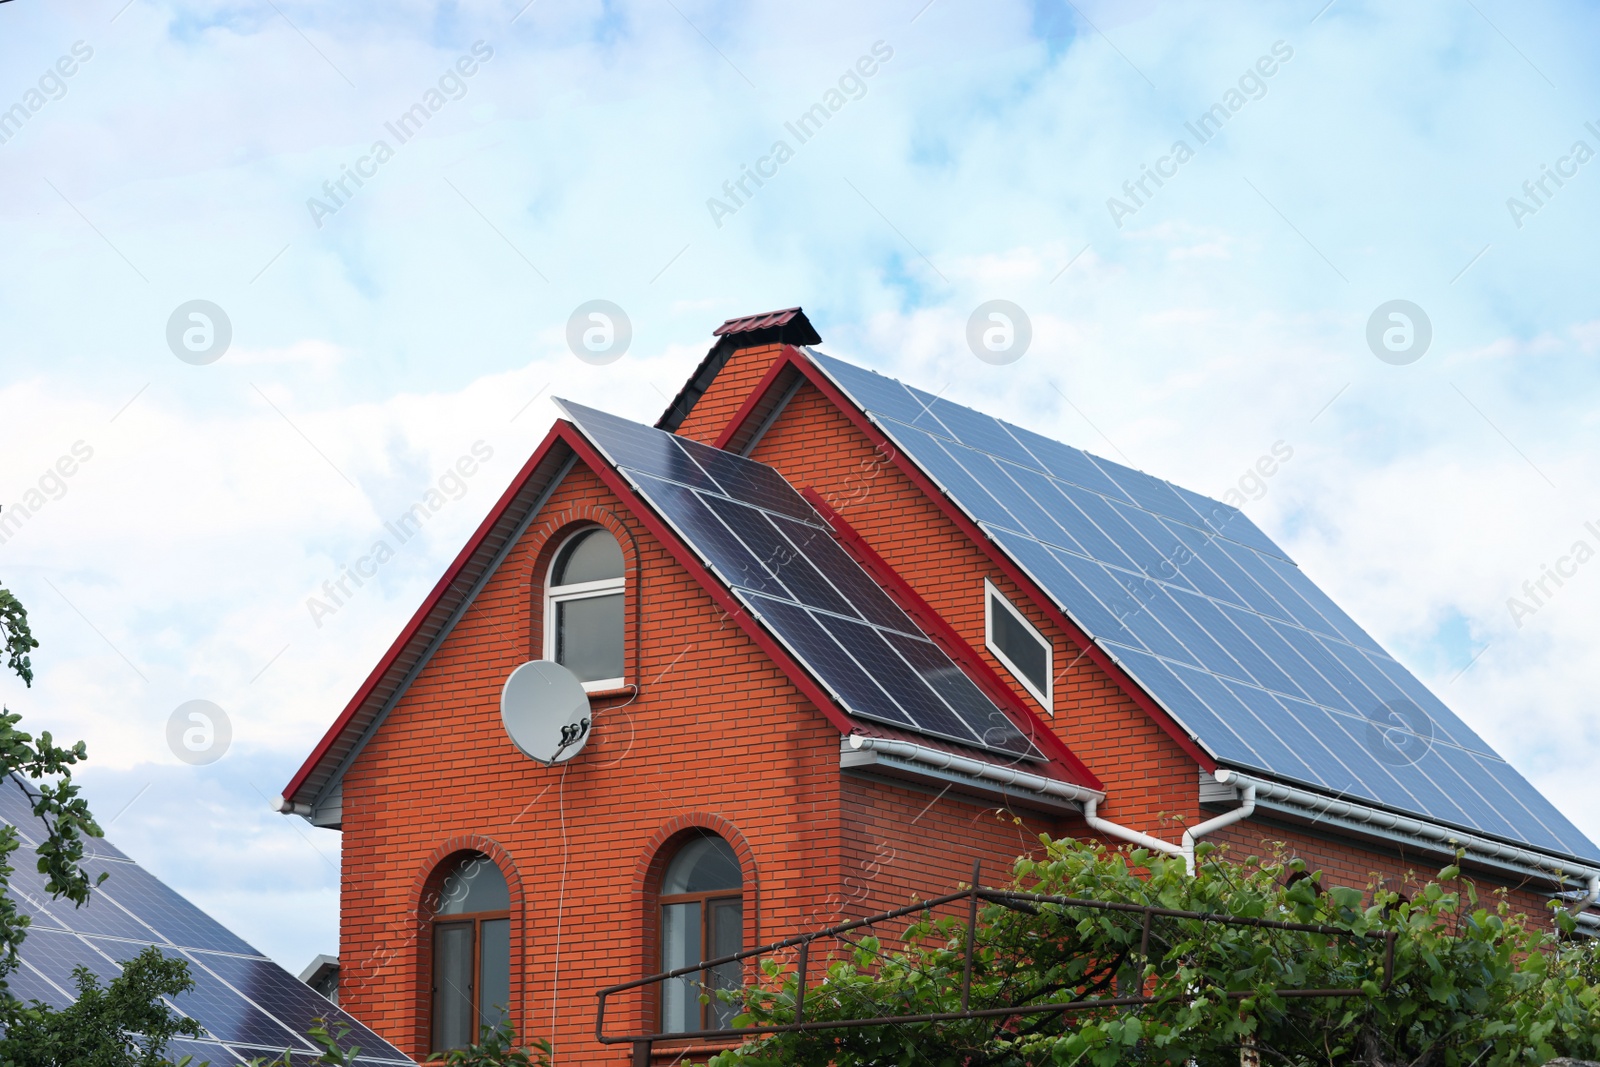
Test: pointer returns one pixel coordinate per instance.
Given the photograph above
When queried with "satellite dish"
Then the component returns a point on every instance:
(545, 711)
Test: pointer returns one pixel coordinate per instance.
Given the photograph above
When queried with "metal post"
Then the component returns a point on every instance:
(800, 985)
(641, 1054)
(1388, 959)
(972, 924)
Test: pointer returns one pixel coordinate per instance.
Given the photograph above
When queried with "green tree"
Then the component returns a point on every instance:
(124, 1024)
(1472, 984)
(66, 815)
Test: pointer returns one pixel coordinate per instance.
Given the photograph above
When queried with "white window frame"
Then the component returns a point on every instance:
(1045, 698)
(554, 595)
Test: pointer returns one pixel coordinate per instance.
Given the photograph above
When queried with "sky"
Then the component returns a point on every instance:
(178, 501)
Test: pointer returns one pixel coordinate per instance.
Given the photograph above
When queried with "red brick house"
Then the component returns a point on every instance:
(829, 624)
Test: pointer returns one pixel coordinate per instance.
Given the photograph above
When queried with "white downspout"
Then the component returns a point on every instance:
(1583, 902)
(1154, 844)
(1192, 835)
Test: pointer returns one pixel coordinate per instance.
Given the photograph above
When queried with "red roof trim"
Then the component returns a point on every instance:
(420, 617)
(944, 635)
(793, 357)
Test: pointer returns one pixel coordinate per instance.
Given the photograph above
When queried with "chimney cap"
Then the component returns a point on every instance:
(789, 325)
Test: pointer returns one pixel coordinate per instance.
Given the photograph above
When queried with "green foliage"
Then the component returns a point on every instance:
(65, 813)
(1473, 984)
(124, 1024)
(330, 1043)
(17, 636)
(497, 1047)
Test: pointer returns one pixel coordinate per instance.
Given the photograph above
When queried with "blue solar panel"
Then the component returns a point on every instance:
(28, 985)
(248, 1005)
(1212, 619)
(776, 554)
(290, 1001)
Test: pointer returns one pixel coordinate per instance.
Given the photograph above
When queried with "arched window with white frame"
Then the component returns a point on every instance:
(583, 617)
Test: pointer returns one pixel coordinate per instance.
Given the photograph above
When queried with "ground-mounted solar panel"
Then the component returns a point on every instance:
(778, 557)
(249, 1006)
(1213, 620)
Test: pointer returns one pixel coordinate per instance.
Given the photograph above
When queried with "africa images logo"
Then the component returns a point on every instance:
(452, 85)
(1252, 85)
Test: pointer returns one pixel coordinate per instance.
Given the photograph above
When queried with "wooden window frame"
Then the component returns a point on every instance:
(477, 919)
(705, 900)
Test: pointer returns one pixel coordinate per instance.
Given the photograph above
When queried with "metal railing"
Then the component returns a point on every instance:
(643, 1043)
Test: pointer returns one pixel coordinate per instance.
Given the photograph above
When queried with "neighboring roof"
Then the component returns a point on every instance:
(318, 968)
(779, 556)
(248, 1005)
(789, 326)
(1212, 619)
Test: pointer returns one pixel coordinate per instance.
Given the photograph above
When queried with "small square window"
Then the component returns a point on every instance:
(1017, 644)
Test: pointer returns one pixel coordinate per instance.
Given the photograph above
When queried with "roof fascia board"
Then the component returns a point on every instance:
(1415, 830)
(336, 778)
(420, 617)
(996, 555)
(785, 392)
(787, 364)
(1334, 828)
(877, 767)
(704, 374)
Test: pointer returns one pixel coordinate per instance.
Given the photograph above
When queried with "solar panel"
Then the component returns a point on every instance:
(248, 1005)
(778, 557)
(1212, 619)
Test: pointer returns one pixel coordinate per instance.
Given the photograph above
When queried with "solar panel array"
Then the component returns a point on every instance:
(777, 555)
(249, 1006)
(1213, 620)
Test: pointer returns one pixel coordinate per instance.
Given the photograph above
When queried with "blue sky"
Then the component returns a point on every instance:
(1228, 313)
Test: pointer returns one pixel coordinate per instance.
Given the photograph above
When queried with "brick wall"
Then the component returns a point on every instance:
(732, 386)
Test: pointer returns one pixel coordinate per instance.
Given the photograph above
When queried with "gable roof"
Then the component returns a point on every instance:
(1210, 617)
(780, 558)
(514, 512)
(248, 1004)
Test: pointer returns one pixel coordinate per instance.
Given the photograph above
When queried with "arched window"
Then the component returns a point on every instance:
(583, 609)
(471, 952)
(702, 918)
